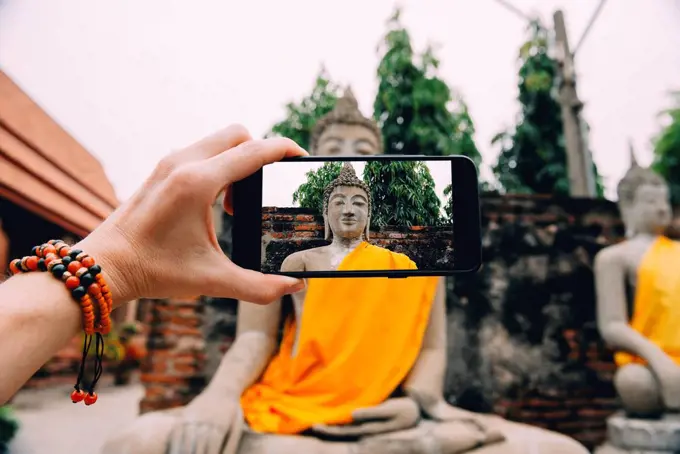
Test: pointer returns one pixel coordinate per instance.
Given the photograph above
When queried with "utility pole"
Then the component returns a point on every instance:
(579, 158)
(581, 178)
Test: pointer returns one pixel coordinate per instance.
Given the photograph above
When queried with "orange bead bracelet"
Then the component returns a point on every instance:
(84, 280)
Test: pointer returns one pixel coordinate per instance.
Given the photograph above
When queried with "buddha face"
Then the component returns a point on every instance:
(347, 213)
(650, 210)
(347, 140)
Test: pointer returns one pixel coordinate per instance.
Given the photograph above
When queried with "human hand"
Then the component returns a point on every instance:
(392, 415)
(161, 243)
(205, 425)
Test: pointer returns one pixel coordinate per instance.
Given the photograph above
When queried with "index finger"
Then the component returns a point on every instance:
(249, 157)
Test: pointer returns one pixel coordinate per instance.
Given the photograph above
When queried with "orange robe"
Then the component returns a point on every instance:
(360, 338)
(656, 310)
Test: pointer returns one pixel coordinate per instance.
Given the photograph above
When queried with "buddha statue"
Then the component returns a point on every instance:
(638, 310)
(360, 368)
(344, 131)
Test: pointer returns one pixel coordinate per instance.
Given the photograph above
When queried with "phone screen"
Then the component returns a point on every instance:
(373, 216)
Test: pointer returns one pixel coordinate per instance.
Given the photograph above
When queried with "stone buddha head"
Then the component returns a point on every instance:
(344, 131)
(347, 206)
(644, 200)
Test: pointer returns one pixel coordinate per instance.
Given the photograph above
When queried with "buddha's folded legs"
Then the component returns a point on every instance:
(639, 391)
(451, 437)
(525, 439)
(150, 434)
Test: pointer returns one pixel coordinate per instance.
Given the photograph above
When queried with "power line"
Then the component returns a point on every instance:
(589, 26)
(513, 9)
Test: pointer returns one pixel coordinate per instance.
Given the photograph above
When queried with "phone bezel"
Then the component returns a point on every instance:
(247, 225)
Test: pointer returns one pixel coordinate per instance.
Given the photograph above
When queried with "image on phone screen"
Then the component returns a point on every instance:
(389, 216)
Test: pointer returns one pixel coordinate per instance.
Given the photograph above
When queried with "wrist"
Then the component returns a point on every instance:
(115, 268)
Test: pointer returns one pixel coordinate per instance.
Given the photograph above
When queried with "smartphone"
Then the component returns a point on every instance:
(373, 216)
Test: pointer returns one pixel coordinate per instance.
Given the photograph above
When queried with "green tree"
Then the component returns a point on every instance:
(9, 426)
(310, 193)
(448, 207)
(416, 110)
(667, 148)
(533, 156)
(402, 193)
(303, 115)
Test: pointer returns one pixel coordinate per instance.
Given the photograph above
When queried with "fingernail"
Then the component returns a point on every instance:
(296, 285)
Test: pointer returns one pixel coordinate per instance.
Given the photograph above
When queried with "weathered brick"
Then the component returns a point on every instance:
(184, 369)
(556, 414)
(158, 367)
(594, 413)
(182, 331)
(161, 378)
(282, 217)
(306, 227)
(305, 218)
(542, 403)
(191, 322)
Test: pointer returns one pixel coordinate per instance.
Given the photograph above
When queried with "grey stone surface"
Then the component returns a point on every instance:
(51, 423)
(644, 435)
(609, 449)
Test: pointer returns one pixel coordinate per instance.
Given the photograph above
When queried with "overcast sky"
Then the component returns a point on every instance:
(280, 180)
(134, 79)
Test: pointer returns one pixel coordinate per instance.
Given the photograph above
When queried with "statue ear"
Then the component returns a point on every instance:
(327, 232)
(367, 229)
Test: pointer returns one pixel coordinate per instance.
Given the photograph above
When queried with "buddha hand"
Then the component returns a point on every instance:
(204, 425)
(441, 411)
(392, 415)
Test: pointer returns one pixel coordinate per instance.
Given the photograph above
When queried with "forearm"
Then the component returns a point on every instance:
(425, 383)
(243, 363)
(37, 318)
(620, 336)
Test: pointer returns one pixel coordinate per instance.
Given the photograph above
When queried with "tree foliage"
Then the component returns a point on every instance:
(667, 148)
(448, 206)
(9, 427)
(310, 193)
(303, 115)
(533, 156)
(416, 110)
(403, 193)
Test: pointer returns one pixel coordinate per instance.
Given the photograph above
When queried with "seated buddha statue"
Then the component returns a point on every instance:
(638, 298)
(361, 365)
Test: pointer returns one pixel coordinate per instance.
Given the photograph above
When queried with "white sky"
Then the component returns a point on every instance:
(133, 80)
(281, 179)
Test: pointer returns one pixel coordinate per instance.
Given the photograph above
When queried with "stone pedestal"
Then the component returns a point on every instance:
(641, 436)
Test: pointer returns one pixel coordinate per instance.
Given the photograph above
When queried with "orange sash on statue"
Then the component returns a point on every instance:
(656, 310)
(359, 339)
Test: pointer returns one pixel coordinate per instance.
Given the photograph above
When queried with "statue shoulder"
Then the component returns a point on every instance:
(294, 262)
(610, 255)
(402, 260)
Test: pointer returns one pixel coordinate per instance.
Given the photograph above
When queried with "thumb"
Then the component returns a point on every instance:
(254, 287)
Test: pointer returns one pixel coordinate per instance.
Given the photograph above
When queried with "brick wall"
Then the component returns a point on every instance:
(172, 372)
(521, 332)
(288, 230)
(579, 412)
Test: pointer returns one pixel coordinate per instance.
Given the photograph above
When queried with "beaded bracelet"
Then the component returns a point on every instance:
(84, 279)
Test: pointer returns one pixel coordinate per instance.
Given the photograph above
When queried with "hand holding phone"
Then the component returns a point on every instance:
(388, 216)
